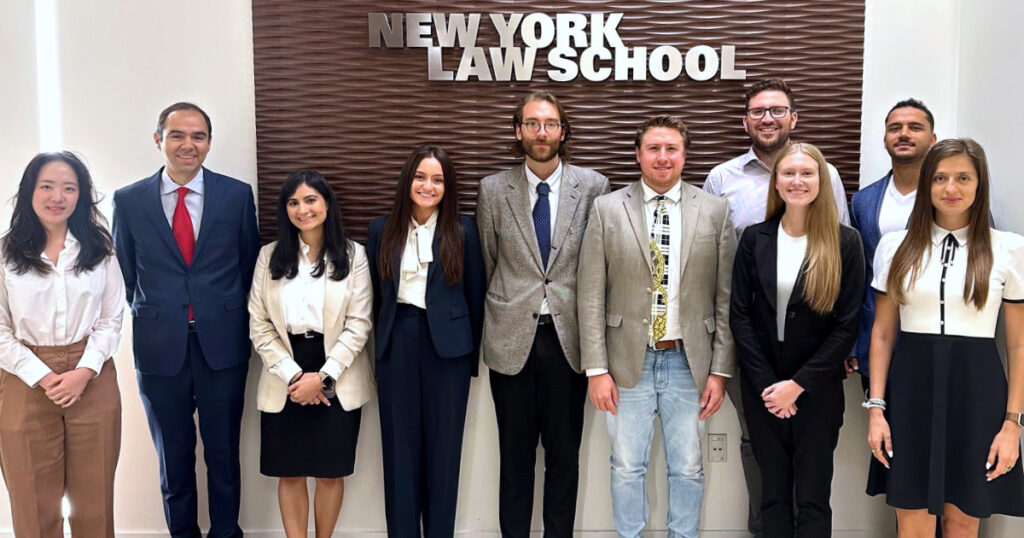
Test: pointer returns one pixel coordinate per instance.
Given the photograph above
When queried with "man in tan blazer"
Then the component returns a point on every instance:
(531, 220)
(653, 277)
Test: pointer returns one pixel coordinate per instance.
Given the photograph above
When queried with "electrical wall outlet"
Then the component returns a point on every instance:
(717, 447)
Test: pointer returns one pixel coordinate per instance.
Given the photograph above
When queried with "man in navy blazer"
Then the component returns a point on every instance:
(885, 205)
(187, 244)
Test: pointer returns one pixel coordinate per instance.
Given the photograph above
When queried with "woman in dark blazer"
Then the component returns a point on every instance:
(797, 287)
(429, 283)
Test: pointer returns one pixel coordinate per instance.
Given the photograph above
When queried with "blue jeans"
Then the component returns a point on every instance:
(666, 388)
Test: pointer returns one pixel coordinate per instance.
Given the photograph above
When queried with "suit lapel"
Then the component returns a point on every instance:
(766, 258)
(634, 205)
(568, 200)
(152, 206)
(689, 207)
(213, 197)
(518, 199)
(435, 247)
(876, 212)
(334, 296)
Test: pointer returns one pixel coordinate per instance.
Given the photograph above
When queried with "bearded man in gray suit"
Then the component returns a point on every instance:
(654, 277)
(531, 220)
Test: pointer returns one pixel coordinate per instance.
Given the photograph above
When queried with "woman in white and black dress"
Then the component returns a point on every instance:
(945, 423)
(311, 302)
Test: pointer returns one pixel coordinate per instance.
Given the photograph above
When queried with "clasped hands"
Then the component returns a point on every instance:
(66, 389)
(780, 398)
(307, 389)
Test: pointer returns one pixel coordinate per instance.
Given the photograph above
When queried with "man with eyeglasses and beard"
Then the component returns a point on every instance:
(531, 220)
(769, 118)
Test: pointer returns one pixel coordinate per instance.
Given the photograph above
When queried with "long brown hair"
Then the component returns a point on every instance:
(823, 265)
(909, 257)
(448, 226)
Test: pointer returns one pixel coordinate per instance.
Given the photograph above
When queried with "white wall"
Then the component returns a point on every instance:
(121, 62)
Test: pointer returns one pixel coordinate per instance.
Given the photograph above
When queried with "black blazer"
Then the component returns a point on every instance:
(815, 344)
(455, 312)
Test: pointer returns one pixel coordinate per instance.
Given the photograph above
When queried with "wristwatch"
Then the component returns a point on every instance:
(1016, 418)
(328, 383)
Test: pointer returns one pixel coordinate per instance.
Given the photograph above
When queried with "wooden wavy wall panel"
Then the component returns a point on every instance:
(326, 100)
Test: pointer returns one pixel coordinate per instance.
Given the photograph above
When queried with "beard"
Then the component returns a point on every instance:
(541, 154)
(781, 141)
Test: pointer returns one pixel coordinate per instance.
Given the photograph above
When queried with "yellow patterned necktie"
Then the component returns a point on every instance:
(659, 274)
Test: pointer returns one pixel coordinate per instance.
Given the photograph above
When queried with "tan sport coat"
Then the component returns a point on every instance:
(516, 281)
(348, 309)
(614, 285)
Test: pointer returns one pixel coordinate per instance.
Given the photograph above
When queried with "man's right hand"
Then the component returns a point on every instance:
(603, 392)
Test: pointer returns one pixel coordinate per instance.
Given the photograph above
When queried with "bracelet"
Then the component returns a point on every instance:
(873, 403)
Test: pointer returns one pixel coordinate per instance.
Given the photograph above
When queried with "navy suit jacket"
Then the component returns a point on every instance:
(160, 286)
(455, 312)
(865, 207)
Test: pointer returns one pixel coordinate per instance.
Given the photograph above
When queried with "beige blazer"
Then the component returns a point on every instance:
(614, 285)
(516, 280)
(348, 308)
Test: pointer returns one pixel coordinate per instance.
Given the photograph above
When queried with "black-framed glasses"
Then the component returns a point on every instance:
(533, 126)
(776, 112)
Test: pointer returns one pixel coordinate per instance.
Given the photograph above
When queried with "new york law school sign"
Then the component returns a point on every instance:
(577, 44)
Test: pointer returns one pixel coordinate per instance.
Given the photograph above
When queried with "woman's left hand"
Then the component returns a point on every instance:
(782, 395)
(308, 390)
(1005, 450)
(69, 387)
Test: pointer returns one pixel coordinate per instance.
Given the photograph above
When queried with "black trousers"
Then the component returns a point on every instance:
(796, 460)
(422, 414)
(544, 402)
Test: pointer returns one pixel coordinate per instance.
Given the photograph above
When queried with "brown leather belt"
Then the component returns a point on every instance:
(669, 344)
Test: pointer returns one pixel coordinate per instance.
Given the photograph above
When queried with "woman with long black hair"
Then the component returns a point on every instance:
(945, 423)
(61, 304)
(429, 283)
(310, 308)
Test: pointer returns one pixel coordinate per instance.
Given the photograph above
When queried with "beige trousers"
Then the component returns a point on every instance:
(47, 452)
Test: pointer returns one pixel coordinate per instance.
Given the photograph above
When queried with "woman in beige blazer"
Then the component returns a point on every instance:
(310, 306)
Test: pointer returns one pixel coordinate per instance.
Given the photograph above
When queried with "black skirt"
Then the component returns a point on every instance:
(946, 400)
(312, 440)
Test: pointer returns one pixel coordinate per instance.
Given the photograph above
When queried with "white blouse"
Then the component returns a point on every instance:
(58, 308)
(416, 258)
(935, 303)
(790, 256)
(302, 297)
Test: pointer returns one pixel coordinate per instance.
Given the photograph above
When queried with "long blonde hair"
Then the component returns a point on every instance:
(822, 267)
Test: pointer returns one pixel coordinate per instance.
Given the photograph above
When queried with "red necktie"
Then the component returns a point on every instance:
(183, 234)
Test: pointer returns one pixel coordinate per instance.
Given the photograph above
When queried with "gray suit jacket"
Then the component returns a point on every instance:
(516, 281)
(615, 285)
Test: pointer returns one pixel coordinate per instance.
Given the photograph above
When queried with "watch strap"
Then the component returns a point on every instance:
(1016, 418)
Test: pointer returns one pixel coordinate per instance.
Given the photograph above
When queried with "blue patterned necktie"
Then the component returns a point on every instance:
(542, 221)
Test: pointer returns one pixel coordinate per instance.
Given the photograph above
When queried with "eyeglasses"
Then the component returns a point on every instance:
(533, 126)
(776, 112)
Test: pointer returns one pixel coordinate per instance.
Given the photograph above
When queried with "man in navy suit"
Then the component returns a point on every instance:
(187, 243)
(885, 205)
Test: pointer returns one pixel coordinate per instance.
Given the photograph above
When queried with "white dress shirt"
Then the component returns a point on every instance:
(935, 303)
(790, 256)
(193, 199)
(896, 208)
(416, 258)
(302, 297)
(744, 182)
(555, 182)
(59, 308)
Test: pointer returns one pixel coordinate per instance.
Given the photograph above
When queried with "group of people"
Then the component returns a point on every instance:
(657, 299)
